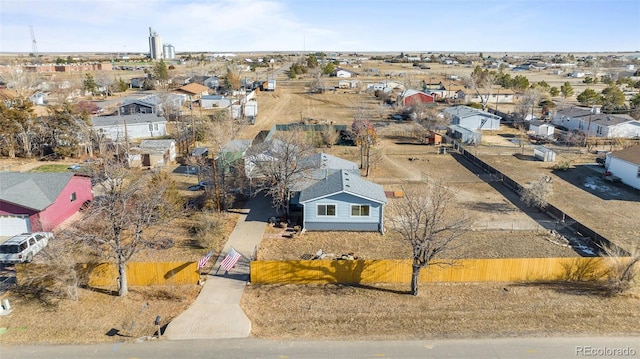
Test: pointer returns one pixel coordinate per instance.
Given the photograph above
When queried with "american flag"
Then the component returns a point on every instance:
(204, 260)
(230, 260)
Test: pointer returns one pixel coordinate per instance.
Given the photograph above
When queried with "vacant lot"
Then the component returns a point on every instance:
(441, 311)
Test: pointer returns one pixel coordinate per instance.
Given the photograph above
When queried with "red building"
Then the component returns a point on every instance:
(31, 202)
(411, 97)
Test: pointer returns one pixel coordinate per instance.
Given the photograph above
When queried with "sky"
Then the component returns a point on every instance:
(322, 25)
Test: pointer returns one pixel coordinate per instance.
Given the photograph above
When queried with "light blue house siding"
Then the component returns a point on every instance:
(343, 220)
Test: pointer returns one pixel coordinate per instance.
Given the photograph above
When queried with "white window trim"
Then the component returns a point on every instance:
(327, 215)
(359, 205)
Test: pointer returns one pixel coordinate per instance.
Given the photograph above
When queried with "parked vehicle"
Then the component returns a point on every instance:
(23, 247)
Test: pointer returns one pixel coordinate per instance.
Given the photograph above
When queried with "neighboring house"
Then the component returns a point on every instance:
(541, 129)
(595, 123)
(193, 91)
(211, 101)
(340, 72)
(343, 201)
(230, 153)
(348, 84)
(157, 152)
(131, 127)
(137, 82)
(413, 97)
(473, 119)
(34, 201)
(496, 96)
(212, 82)
(131, 107)
(626, 165)
(180, 80)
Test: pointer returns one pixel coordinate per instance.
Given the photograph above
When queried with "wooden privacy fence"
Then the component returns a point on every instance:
(105, 275)
(395, 271)
(142, 273)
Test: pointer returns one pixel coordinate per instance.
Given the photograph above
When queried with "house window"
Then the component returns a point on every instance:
(361, 210)
(638, 175)
(151, 127)
(73, 197)
(326, 210)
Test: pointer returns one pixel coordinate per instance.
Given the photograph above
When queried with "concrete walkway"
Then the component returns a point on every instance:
(216, 313)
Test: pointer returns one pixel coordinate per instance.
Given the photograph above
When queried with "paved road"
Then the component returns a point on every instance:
(547, 348)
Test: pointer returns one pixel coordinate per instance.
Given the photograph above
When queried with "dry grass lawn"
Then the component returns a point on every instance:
(466, 310)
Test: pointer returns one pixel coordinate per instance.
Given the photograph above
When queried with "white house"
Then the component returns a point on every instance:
(496, 96)
(131, 127)
(626, 165)
(339, 72)
(473, 119)
(597, 124)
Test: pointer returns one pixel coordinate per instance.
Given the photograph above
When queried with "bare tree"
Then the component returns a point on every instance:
(481, 82)
(537, 193)
(366, 138)
(127, 218)
(277, 164)
(528, 102)
(426, 218)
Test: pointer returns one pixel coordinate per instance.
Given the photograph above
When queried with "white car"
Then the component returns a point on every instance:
(23, 247)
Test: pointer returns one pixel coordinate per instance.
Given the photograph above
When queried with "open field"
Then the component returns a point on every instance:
(443, 310)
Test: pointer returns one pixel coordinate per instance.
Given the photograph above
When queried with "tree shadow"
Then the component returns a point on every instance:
(587, 288)
(524, 157)
(589, 179)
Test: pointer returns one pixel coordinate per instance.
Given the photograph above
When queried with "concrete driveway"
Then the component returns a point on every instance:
(216, 313)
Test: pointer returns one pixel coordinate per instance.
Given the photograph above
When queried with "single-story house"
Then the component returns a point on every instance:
(343, 201)
(211, 101)
(130, 107)
(193, 91)
(131, 127)
(411, 97)
(496, 96)
(626, 165)
(348, 84)
(340, 72)
(34, 201)
(597, 124)
(473, 119)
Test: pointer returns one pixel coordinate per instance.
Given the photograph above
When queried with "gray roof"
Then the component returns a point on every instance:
(604, 119)
(36, 191)
(236, 146)
(324, 160)
(156, 144)
(466, 111)
(102, 121)
(344, 181)
(199, 151)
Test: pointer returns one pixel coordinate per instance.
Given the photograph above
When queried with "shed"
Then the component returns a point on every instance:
(538, 128)
(544, 154)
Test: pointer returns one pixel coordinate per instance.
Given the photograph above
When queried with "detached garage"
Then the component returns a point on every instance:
(31, 202)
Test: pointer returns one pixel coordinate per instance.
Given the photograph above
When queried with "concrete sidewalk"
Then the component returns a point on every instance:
(216, 313)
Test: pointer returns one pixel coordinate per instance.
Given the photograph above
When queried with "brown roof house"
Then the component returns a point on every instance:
(194, 92)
